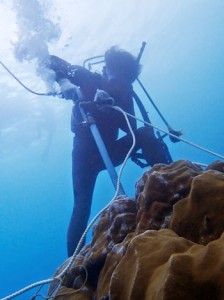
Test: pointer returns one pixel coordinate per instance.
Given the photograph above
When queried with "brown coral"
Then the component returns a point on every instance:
(160, 188)
(145, 253)
(200, 216)
(194, 274)
(131, 257)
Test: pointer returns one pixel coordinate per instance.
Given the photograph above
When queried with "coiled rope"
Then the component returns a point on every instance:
(59, 276)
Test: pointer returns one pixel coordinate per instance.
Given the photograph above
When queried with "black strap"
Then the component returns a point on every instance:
(141, 108)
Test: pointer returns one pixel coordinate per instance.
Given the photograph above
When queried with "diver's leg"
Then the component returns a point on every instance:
(84, 172)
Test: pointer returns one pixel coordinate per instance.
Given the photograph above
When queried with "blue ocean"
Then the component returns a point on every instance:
(182, 70)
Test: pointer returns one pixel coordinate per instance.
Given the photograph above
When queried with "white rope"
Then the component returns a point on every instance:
(59, 276)
(176, 137)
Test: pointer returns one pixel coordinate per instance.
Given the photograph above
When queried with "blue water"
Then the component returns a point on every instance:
(183, 70)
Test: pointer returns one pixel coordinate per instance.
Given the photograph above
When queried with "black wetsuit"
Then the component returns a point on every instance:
(86, 159)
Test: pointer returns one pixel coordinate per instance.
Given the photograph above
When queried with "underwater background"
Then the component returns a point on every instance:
(182, 69)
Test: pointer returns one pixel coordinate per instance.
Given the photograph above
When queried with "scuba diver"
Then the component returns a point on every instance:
(81, 85)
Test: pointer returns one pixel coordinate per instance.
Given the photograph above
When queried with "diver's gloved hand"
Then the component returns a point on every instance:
(103, 98)
(69, 91)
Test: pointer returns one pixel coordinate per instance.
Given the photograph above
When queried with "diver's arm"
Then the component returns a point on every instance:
(65, 75)
(77, 75)
(62, 69)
